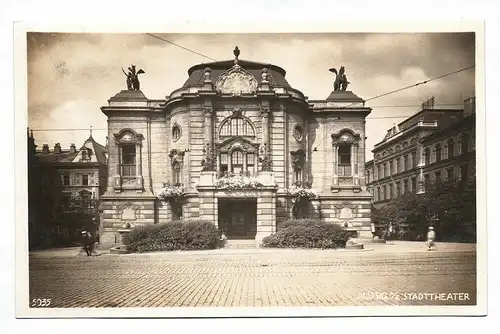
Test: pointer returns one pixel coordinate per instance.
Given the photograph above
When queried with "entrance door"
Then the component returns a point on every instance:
(238, 218)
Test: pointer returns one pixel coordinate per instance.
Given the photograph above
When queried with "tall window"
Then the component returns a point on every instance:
(237, 162)
(427, 181)
(405, 186)
(128, 161)
(464, 172)
(85, 180)
(450, 148)
(413, 159)
(438, 177)
(223, 163)
(378, 194)
(380, 172)
(385, 193)
(427, 156)
(345, 160)
(251, 164)
(176, 173)
(464, 144)
(414, 184)
(391, 194)
(367, 176)
(84, 155)
(398, 165)
(449, 174)
(398, 189)
(236, 126)
(438, 152)
(405, 162)
(387, 169)
(65, 178)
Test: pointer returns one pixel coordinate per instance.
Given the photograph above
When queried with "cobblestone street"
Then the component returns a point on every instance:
(386, 275)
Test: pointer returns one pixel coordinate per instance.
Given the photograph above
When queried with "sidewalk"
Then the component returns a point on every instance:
(390, 247)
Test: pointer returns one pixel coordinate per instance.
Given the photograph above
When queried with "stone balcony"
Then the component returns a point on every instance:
(213, 179)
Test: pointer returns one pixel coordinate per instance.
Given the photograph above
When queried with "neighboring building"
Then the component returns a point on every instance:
(238, 117)
(431, 146)
(81, 173)
(63, 181)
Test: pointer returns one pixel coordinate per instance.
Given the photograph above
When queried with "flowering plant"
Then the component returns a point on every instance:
(301, 190)
(232, 181)
(171, 190)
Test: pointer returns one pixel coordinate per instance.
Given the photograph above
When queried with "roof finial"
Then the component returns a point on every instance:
(236, 53)
(91, 131)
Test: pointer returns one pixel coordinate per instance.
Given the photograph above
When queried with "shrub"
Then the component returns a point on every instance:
(306, 233)
(187, 235)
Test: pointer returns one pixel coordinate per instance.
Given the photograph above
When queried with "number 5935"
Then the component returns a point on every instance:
(40, 302)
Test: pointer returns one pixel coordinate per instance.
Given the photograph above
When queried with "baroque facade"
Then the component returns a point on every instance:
(431, 146)
(236, 138)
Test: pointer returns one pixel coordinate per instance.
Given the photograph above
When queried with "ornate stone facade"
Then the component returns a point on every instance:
(237, 118)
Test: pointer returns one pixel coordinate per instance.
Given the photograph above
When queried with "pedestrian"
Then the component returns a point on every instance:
(88, 242)
(431, 238)
(373, 230)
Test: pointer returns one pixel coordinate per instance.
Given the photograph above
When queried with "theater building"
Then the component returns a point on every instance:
(237, 139)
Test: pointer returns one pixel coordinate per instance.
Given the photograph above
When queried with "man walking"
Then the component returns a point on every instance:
(431, 238)
(88, 242)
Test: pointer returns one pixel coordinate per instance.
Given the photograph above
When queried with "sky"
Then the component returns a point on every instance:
(72, 75)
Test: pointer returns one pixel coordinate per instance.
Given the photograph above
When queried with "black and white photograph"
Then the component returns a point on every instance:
(228, 174)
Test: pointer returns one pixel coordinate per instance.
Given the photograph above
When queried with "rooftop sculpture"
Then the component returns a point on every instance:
(133, 78)
(340, 82)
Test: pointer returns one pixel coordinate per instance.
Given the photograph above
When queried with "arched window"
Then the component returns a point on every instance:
(176, 173)
(451, 148)
(236, 126)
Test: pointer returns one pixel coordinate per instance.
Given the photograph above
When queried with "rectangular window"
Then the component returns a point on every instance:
(464, 172)
(438, 177)
(414, 184)
(223, 163)
(427, 181)
(398, 166)
(405, 162)
(391, 194)
(449, 174)
(65, 178)
(344, 156)
(398, 189)
(85, 180)
(250, 163)
(405, 186)
(380, 172)
(128, 161)
(413, 159)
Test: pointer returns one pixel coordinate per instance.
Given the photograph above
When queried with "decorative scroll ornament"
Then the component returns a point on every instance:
(207, 74)
(298, 159)
(236, 80)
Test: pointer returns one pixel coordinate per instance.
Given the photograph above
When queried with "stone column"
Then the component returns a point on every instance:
(138, 173)
(335, 180)
(265, 125)
(208, 126)
(354, 162)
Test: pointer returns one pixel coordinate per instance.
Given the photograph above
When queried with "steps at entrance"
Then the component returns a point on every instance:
(240, 243)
